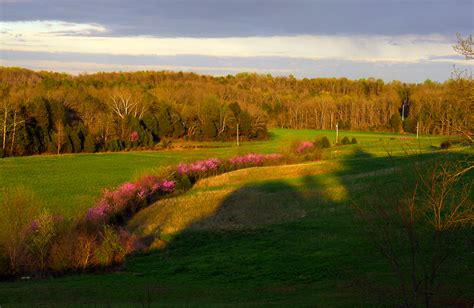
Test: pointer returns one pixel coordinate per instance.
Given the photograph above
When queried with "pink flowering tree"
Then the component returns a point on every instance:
(199, 169)
(134, 136)
(118, 204)
(128, 198)
(304, 147)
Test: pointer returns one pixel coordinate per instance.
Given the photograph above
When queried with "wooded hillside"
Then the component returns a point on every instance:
(61, 113)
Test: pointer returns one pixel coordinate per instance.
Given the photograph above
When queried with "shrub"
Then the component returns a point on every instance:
(213, 166)
(134, 136)
(446, 144)
(252, 160)
(73, 251)
(130, 242)
(200, 168)
(314, 154)
(110, 250)
(322, 143)
(43, 234)
(18, 210)
(345, 141)
(299, 147)
(184, 183)
(354, 140)
(166, 143)
(63, 252)
(305, 151)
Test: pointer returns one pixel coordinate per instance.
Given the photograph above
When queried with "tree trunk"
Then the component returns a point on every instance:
(14, 131)
(4, 141)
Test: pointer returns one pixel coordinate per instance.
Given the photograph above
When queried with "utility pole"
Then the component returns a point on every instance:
(417, 129)
(403, 110)
(238, 143)
(337, 132)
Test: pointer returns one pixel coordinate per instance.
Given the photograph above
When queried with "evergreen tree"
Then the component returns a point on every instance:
(396, 122)
(75, 140)
(165, 128)
(89, 144)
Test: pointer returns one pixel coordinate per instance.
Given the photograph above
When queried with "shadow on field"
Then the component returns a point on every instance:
(282, 242)
(294, 242)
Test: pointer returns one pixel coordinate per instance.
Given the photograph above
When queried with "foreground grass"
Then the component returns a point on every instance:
(69, 184)
(284, 235)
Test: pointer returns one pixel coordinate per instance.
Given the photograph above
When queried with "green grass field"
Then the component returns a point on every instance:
(69, 184)
(283, 235)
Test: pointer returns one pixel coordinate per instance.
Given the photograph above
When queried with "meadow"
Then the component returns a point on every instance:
(69, 184)
(284, 235)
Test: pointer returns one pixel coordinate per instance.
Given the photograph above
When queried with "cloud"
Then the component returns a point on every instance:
(57, 36)
(243, 18)
(51, 28)
(77, 63)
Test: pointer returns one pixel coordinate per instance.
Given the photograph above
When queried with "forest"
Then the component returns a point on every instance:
(46, 112)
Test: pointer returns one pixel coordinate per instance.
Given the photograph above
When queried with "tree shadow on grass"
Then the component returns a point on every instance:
(288, 242)
(293, 241)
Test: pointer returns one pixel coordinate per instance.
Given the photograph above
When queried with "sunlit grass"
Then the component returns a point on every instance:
(69, 184)
(252, 198)
(282, 235)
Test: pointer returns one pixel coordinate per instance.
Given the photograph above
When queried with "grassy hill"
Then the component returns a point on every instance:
(69, 184)
(284, 235)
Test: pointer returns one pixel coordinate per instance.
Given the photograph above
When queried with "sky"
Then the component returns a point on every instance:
(408, 40)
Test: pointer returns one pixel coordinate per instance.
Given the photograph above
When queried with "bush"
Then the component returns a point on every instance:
(446, 144)
(345, 141)
(44, 232)
(166, 143)
(18, 210)
(299, 147)
(322, 143)
(184, 183)
(110, 250)
(354, 140)
(305, 151)
(73, 251)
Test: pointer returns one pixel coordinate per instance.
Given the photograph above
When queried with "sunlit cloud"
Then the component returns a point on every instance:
(58, 36)
(49, 28)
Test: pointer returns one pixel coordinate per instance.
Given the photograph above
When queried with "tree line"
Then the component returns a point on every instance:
(60, 113)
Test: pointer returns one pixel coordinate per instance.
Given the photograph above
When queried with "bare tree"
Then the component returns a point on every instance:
(59, 135)
(464, 46)
(14, 125)
(429, 221)
(5, 110)
(125, 103)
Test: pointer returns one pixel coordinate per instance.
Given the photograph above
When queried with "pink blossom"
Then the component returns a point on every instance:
(253, 159)
(167, 186)
(34, 225)
(304, 146)
(134, 136)
(182, 169)
(132, 194)
(142, 194)
(99, 211)
(198, 167)
(273, 156)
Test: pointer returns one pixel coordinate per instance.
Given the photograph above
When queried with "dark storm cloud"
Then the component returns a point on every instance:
(220, 18)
